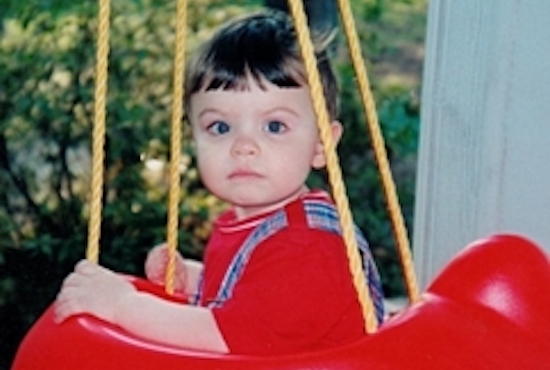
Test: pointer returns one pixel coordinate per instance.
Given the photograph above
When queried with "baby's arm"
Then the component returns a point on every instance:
(193, 274)
(100, 292)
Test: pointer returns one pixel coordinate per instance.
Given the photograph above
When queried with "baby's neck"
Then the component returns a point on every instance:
(243, 213)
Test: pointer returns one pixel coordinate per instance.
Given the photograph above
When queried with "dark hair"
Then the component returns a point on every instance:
(261, 46)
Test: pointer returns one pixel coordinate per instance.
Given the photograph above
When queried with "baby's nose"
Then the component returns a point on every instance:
(245, 146)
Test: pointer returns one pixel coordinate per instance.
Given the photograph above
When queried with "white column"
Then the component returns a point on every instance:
(484, 157)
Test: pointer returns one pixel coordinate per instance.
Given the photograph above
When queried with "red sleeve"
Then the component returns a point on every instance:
(294, 291)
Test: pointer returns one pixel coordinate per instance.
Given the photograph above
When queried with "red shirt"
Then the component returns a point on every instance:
(295, 294)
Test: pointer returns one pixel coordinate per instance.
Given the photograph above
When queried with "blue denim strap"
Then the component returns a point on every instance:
(236, 268)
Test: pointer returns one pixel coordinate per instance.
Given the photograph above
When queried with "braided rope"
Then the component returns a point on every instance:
(98, 155)
(334, 171)
(381, 156)
(175, 145)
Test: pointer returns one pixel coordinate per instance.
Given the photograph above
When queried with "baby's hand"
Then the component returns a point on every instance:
(91, 289)
(155, 267)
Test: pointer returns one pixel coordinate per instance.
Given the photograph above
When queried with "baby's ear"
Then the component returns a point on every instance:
(319, 160)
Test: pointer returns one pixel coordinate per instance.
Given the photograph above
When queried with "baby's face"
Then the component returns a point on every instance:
(255, 146)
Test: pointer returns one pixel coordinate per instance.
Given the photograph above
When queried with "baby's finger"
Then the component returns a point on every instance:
(63, 312)
(86, 267)
(155, 264)
(74, 279)
(155, 276)
(66, 307)
(158, 250)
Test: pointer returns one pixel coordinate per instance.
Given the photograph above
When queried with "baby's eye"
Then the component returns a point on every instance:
(275, 127)
(218, 128)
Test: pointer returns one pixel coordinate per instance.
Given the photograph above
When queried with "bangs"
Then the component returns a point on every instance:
(238, 74)
(263, 50)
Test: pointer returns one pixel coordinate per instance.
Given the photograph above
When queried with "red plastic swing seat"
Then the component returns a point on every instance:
(488, 309)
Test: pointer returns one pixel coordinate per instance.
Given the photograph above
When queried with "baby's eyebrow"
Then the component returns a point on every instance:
(282, 109)
(209, 111)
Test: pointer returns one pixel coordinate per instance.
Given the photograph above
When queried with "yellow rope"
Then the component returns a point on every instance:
(102, 54)
(335, 175)
(394, 209)
(175, 145)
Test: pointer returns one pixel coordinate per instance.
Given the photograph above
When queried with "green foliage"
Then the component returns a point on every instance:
(47, 56)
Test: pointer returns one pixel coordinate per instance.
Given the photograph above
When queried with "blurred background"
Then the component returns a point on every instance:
(47, 51)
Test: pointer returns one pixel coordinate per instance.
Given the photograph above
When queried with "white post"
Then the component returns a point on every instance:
(484, 157)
